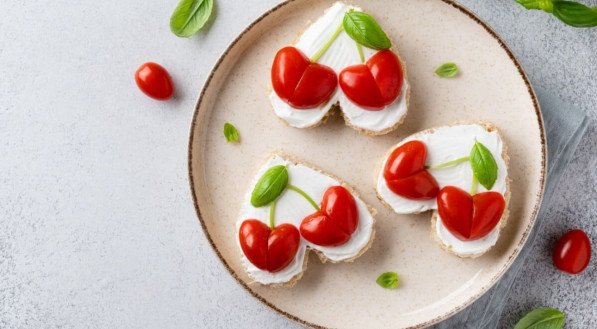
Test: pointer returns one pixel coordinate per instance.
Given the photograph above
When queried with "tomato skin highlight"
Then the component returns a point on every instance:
(572, 252)
(154, 81)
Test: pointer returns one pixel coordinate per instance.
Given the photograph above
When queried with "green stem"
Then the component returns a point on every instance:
(272, 211)
(304, 195)
(360, 49)
(474, 185)
(327, 44)
(448, 164)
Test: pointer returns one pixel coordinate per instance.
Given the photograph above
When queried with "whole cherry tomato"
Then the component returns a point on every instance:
(572, 252)
(154, 81)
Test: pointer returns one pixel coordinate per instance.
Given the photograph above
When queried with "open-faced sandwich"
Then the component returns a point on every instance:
(460, 172)
(343, 62)
(292, 208)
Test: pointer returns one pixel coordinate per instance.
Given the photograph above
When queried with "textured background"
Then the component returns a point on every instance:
(97, 227)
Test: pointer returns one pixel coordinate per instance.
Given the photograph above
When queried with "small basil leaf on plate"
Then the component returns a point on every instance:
(483, 164)
(269, 186)
(363, 28)
(447, 70)
(388, 280)
(190, 16)
(230, 133)
(542, 318)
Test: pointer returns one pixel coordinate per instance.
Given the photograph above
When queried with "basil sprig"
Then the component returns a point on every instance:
(363, 28)
(570, 12)
(190, 16)
(483, 164)
(388, 280)
(269, 186)
(542, 318)
(230, 133)
(447, 70)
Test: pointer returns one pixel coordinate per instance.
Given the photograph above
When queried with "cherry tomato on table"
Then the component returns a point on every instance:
(572, 252)
(154, 81)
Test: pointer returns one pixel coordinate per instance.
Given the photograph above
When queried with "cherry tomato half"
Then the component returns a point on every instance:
(154, 81)
(572, 252)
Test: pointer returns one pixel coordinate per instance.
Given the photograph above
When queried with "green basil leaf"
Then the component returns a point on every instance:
(270, 186)
(363, 28)
(575, 14)
(545, 5)
(570, 12)
(542, 318)
(190, 16)
(230, 133)
(484, 166)
(388, 280)
(447, 70)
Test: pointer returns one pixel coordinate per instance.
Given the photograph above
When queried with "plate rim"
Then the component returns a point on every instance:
(511, 257)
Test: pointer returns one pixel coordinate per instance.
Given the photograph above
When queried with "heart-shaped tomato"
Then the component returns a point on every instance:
(270, 250)
(405, 172)
(469, 217)
(300, 82)
(334, 224)
(375, 84)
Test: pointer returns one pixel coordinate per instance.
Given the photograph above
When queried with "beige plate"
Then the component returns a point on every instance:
(434, 284)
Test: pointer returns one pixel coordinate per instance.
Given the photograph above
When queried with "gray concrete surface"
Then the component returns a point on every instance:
(86, 157)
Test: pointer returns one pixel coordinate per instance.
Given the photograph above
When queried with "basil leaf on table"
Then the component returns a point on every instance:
(542, 318)
(388, 280)
(230, 133)
(570, 12)
(363, 28)
(575, 14)
(270, 186)
(190, 16)
(447, 70)
(484, 166)
(545, 5)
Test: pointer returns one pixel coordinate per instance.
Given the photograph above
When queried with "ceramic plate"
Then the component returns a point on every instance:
(434, 284)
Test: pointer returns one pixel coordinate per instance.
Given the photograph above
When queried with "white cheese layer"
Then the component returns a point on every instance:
(466, 248)
(292, 208)
(446, 144)
(342, 53)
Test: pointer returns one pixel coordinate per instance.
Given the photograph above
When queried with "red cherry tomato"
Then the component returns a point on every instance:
(469, 217)
(270, 250)
(300, 82)
(572, 252)
(154, 81)
(405, 172)
(375, 84)
(334, 224)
